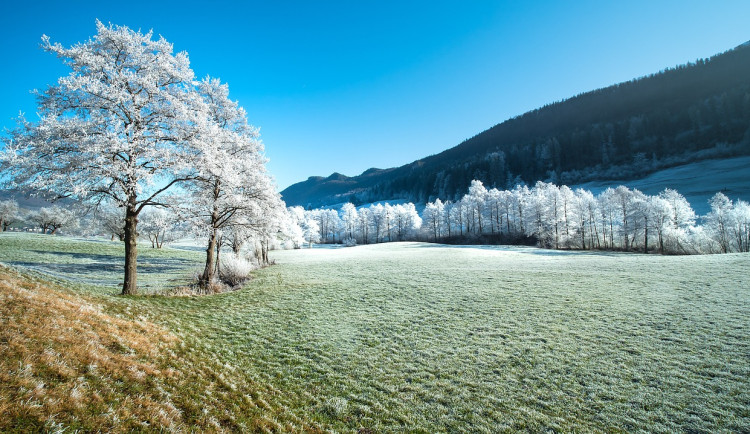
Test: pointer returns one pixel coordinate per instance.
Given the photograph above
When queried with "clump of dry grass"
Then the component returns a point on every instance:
(64, 362)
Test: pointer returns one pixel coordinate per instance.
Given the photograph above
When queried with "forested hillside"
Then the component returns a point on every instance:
(689, 113)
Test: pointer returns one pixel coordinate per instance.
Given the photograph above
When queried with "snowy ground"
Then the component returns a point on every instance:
(696, 181)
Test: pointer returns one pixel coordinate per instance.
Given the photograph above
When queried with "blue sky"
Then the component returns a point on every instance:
(348, 85)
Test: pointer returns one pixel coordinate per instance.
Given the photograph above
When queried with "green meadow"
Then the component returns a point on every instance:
(426, 338)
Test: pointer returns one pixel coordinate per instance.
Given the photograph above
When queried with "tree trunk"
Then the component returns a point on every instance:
(236, 247)
(209, 271)
(129, 286)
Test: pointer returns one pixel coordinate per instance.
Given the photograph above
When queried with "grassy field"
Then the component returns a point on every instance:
(417, 337)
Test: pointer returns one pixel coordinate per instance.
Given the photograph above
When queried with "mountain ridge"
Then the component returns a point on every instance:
(687, 113)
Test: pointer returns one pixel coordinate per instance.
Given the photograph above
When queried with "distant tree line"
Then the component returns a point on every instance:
(546, 215)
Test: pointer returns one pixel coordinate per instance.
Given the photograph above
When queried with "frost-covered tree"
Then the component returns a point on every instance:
(364, 215)
(9, 213)
(160, 225)
(495, 204)
(520, 197)
(739, 219)
(660, 215)
(51, 219)
(310, 228)
(406, 221)
(640, 218)
(349, 219)
(456, 217)
(718, 220)
(122, 126)
(623, 200)
(230, 183)
(567, 199)
(579, 209)
(432, 218)
(608, 207)
(236, 237)
(673, 219)
(111, 220)
(378, 217)
(329, 224)
(683, 216)
(476, 205)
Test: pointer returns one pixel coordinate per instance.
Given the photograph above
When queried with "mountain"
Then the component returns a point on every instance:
(689, 113)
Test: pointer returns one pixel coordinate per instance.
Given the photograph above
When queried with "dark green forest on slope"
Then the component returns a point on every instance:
(692, 112)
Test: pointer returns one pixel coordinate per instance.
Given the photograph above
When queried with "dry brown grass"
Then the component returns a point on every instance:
(64, 362)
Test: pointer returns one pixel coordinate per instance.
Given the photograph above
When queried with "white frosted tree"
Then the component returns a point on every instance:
(160, 226)
(111, 220)
(623, 200)
(660, 216)
(378, 218)
(230, 186)
(718, 220)
(683, 215)
(432, 218)
(580, 215)
(350, 221)
(739, 219)
(608, 208)
(364, 216)
(567, 201)
(120, 127)
(520, 197)
(291, 234)
(476, 201)
(456, 217)
(310, 228)
(495, 205)
(51, 219)
(674, 234)
(406, 221)
(9, 213)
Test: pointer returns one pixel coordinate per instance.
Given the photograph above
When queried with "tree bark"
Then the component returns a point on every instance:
(129, 286)
(209, 271)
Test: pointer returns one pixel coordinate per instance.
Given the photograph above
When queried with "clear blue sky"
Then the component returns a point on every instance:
(348, 85)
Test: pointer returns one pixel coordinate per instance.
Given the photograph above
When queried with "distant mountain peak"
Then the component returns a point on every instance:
(370, 171)
(336, 176)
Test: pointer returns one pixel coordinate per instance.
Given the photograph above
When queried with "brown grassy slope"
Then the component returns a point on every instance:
(66, 363)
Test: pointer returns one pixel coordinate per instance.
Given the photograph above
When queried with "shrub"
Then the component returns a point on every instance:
(234, 270)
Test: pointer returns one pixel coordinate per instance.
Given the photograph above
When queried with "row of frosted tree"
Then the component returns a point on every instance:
(548, 215)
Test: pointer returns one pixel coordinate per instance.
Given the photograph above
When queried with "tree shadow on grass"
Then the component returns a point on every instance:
(94, 257)
(102, 269)
(154, 264)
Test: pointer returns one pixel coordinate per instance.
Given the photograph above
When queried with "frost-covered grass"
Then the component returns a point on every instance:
(418, 337)
(97, 262)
